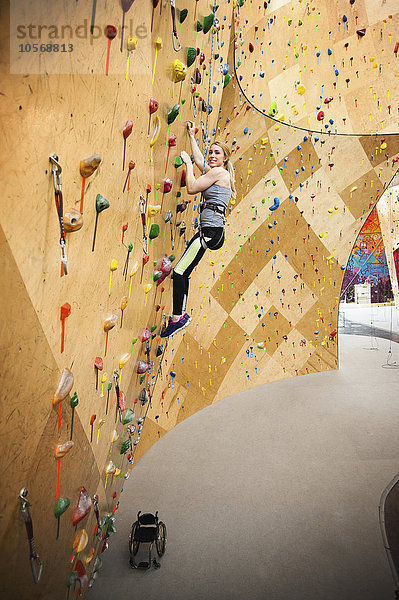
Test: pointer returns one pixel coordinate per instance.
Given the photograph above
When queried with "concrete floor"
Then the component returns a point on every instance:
(273, 493)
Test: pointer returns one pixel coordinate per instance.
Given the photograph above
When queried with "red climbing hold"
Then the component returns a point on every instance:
(320, 115)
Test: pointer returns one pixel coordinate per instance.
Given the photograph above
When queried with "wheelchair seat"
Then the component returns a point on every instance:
(147, 528)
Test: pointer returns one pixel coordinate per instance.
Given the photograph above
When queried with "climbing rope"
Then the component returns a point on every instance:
(214, 27)
(389, 364)
(296, 127)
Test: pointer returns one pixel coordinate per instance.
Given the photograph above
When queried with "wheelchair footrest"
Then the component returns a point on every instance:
(143, 565)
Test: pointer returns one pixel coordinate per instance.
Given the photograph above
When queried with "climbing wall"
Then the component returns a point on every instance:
(313, 84)
(264, 307)
(92, 110)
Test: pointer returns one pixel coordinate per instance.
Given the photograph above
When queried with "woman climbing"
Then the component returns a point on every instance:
(216, 186)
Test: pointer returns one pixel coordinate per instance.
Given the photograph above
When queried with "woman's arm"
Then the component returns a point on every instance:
(203, 182)
(196, 152)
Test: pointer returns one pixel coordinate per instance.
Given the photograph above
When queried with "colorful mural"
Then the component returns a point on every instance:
(368, 263)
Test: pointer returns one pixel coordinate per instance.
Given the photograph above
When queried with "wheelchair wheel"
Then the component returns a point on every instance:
(161, 538)
(133, 543)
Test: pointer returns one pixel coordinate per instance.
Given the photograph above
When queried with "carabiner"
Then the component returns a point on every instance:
(174, 31)
(56, 170)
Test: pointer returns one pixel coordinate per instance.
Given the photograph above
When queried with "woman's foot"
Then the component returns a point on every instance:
(175, 326)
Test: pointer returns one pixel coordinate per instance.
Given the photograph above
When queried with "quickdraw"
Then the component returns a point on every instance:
(143, 221)
(175, 37)
(35, 562)
(118, 404)
(192, 82)
(59, 203)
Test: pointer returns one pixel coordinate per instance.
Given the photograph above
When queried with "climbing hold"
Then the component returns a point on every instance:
(64, 386)
(208, 22)
(191, 56)
(183, 14)
(83, 506)
(273, 109)
(227, 79)
(80, 542)
(179, 71)
(62, 449)
(173, 112)
(61, 506)
(275, 205)
(154, 231)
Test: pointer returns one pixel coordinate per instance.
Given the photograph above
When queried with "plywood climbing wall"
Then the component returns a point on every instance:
(91, 99)
(264, 307)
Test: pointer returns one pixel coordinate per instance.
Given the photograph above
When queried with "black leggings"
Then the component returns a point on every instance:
(214, 239)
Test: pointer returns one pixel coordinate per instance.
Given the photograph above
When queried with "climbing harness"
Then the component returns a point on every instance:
(35, 562)
(175, 37)
(215, 207)
(56, 170)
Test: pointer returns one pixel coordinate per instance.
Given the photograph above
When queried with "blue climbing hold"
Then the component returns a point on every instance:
(275, 205)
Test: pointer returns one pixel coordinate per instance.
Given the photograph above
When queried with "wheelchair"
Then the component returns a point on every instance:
(147, 530)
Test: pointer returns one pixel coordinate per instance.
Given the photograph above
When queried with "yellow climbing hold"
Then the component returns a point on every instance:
(301, 89)
(179, 71)
(153, 210)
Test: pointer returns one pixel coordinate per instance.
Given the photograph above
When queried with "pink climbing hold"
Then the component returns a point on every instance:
(83, 507)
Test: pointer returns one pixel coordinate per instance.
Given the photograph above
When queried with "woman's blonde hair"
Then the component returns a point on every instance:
(228, 165)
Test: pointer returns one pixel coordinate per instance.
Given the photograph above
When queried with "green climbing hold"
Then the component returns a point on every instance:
(178, 162)
(153, 328)
(199, 26)
(299, 22)
(154, 231)
(74, 401)
(125, 446)
(128, 416)
(172, 114)
(157, 275)
(191, 56)
(61, 506)
(171, 257)
(142, 379)
(273, 109)
(183, 14)
(238, 62)
(101, 203)
(227, 79)
(73, 577)
(208, 22)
